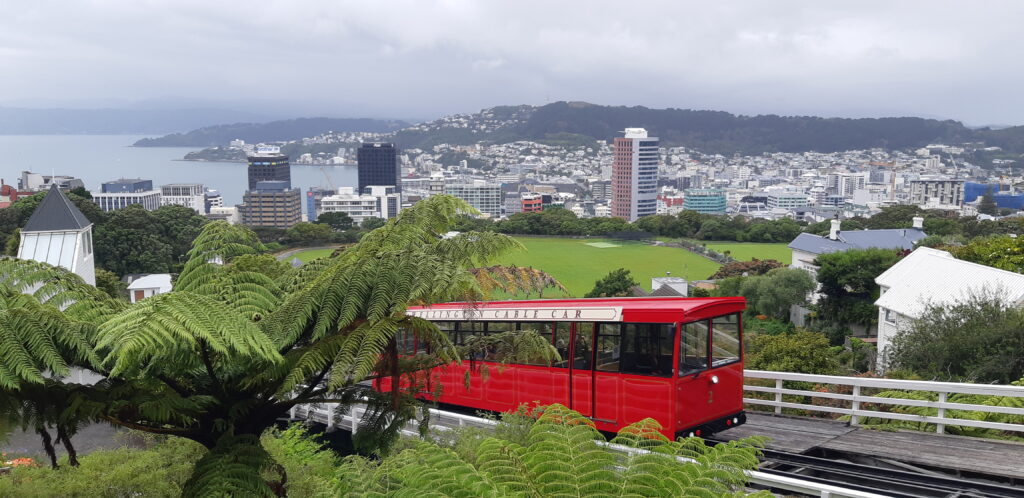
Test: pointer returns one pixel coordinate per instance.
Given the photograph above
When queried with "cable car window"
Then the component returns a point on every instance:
(582, 353)
(562, 344)
(693, 352)
(608, 347)
(406, 341)
(725, 339)
(647, 349)
(496, 327)
(449, 328)
(542, 329)
(469, 329)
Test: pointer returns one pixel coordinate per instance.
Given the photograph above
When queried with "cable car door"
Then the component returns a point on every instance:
(581, 369)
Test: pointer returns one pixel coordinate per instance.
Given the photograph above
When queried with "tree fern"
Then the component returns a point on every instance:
(231, 468)
(951, 428)
(562, 458)
(229, 351)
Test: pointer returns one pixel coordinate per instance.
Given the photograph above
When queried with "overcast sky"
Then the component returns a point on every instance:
(420, 59)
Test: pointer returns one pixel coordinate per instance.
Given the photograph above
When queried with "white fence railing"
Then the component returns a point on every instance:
(863, 405)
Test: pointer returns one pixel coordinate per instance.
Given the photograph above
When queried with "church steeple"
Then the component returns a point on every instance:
(59, 234)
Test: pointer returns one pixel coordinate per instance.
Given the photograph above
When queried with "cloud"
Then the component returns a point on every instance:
(416, 58)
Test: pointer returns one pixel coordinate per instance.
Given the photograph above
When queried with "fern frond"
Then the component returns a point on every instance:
(170, 332)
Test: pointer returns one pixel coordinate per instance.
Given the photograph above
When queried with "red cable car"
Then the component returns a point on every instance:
(623, 359)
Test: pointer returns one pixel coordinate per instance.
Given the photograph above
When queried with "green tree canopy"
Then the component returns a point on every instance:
(987, 205)
(772, 294)
(1003, 252)
(372, 223)
(801, 352)
(848, 284)
(616, 283)
(336, 220)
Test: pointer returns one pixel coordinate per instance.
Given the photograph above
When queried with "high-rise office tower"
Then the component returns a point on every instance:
(269, 165)
(378, 165)
(271, 204)
(635, 175)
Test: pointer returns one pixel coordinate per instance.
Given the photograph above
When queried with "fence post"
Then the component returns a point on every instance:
(941, 428)
(355, 418)
(855, 406)
(778, 396)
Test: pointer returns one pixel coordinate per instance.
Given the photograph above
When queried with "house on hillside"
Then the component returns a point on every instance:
(807, 246)
(930, 276)
(149, 286)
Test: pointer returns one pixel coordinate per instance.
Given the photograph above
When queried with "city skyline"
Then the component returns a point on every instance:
(432, 59)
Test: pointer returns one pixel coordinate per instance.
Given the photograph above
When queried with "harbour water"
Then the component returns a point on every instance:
(99, 158)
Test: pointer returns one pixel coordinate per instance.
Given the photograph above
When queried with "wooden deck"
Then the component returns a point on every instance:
(966, 454)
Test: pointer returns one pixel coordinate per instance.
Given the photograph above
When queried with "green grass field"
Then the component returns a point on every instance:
(745, 251)
(578, 263)
(311, 254)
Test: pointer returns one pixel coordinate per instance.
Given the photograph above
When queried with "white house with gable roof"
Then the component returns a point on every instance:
(930, 276)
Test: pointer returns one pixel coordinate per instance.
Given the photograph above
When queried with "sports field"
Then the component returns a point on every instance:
(745, 251)
(578, 263)
(311, 254)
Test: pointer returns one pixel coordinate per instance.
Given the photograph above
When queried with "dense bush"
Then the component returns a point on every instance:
(978, 340)
(746, 268)
(156, 471)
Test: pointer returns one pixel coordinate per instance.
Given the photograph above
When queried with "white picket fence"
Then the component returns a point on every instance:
(863, 405)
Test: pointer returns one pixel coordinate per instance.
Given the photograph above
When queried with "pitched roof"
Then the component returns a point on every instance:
(930, 276)
(161, 281)
(895, 238)
(56, 212)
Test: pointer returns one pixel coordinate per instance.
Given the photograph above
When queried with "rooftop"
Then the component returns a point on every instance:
(56, 212)
(898, 238)
(930, 276)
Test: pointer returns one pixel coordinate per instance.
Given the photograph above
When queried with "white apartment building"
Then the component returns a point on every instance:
(845, 184)
(111, 201)
(937, 192)
(190, 195)
(787, 200)
(485, 197)
(381, 202)
(229, 214)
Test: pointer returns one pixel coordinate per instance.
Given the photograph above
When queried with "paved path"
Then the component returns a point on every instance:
(287, 255)
(90, 438)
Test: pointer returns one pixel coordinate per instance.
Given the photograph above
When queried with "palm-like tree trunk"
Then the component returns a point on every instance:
(64, 438)
(48, 446)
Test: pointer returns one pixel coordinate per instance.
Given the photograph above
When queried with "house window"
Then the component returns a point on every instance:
(890, 316)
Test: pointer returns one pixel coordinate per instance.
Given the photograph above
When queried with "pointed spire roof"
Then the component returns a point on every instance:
(56, 212)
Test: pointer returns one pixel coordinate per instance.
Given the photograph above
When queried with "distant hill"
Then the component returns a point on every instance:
(708, 131)
(290, 129)
(24, 121)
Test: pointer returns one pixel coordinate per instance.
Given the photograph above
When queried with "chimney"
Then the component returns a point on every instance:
(918, 222)
(834, 232)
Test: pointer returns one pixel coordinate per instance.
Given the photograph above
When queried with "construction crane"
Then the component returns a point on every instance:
(328, 177)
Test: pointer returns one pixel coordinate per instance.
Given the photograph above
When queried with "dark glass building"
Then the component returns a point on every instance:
(269, 167)
(378, 165)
